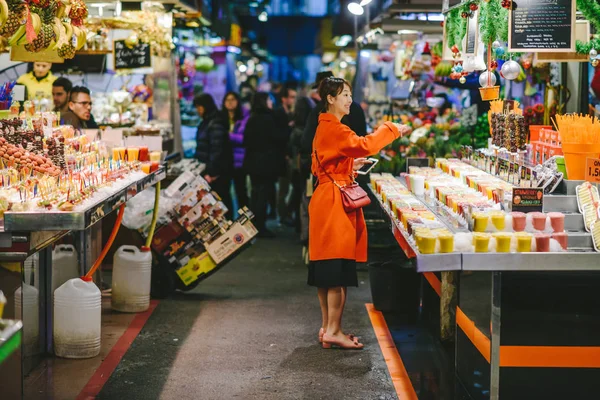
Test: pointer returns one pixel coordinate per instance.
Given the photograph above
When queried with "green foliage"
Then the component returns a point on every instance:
(591, 11)
(493, 20)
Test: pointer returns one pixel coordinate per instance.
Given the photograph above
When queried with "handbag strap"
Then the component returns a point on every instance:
(326, 173)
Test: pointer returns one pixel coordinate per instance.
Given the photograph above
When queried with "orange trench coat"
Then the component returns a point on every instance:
(333, 233)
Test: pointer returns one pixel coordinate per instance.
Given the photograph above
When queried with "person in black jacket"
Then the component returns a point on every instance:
(213, 148)
(262, 140)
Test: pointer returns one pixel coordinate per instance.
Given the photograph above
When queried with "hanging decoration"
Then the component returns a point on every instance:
(511, 70)
(591, 11)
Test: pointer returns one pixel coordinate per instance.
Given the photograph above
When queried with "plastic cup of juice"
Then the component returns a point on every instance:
(146, 167)
(143, 153)
(481, 242)
(480, 222)
(542, 242)
(118, 153)
(133, 153)
(154, 166)
(427, 243)
(503, 240)
(557, 220)
(446, 242)
(155, 156)
(2, 303)
(562, 238)
(539, 221)
(499, 220)
(523, 242)
(122, 153)
(519, 221)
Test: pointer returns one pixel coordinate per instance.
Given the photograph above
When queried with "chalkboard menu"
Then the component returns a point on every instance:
(542, 25)
(127, 57)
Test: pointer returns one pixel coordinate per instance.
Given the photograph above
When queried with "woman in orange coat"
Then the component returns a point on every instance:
(338, 240)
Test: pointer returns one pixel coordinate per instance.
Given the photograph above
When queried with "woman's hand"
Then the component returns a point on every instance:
(359, 163)
(403, 129)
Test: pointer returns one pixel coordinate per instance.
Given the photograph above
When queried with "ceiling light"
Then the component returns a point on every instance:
(356, 8)
(263, 16)
(343, 64)
(407, 32)
(253, 4)
(365, 2)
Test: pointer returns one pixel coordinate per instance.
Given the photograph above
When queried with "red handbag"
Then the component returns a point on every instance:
(353, 196)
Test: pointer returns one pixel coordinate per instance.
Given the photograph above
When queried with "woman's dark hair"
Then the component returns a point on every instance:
(259, 102)
(332, 87)
(237, 115)
(205, 100)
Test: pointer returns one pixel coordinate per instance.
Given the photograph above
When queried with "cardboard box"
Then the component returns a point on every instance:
(237, 236)
(196, 267)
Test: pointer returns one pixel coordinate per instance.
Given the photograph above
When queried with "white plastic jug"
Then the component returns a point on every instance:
(132, 270)
(77, 319)
(27, 310)
(31, 264)
(64, 265)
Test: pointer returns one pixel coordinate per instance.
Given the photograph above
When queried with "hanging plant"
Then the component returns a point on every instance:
(591, 11)
(456, 28)
(585, 48)
(493, 20)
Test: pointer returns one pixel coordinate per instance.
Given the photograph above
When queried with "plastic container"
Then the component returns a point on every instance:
(562, 238)
(27, 310)
(523, 242)
(542, 242)
(503, 242)
(426, 243)
(576, 156)
(499, 220)
(519, 221)
(539, 221)
(481, 242)
(418, 185)
(132, 269)
(77, 319)
(31, 270)
(480, 222)
(557, 220)
(65, 265)
(446, 242)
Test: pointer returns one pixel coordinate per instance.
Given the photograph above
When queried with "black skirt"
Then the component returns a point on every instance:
(332, 273)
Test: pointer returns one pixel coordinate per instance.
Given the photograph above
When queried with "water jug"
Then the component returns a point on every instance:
(132, 270)
(64, 265)
(28, 311)
(77, 319)
(31, 266)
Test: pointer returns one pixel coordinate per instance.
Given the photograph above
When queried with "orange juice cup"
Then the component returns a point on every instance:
(481, 242)
(146, 167)
(154, 166)
(503, 242)
(523, 242)
(133, 153)
(122, 153)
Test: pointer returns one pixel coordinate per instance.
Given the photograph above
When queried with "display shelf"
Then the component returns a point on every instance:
(561, 203)
(570, 261)
(78, 220)
(10, 337)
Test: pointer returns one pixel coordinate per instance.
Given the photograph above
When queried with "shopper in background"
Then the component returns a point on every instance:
(60, 94)
(213, 148)
(79, 115)
(38, 82)
(238, 118)
(262, 141)
(284, 116)
(338, 239)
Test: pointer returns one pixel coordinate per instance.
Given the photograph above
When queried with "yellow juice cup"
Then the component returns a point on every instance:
(133, 153)
(117, 151)
(523, 242)
(481, 242)
(498, 219)
(426, 243)
(446, 242)
(503, 242)
(155, 156)
(480, 222)
(122, 151)
(146, 167)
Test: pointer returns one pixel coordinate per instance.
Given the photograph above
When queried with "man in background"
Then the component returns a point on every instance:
(80, 109)
(61, 88)
(284, 116)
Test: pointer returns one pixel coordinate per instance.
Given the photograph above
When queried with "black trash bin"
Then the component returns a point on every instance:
(395, 287)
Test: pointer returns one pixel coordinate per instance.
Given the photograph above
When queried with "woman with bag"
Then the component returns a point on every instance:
(337, 230)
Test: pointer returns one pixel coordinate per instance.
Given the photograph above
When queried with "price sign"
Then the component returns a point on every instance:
(592, 170)
(528, 200)
(129, 57)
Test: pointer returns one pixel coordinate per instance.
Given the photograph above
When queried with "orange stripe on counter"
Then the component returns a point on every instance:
(479, 340)
(400, 379)
(434, 282)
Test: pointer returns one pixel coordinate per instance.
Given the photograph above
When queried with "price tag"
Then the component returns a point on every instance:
(592, 170)
(528, 200)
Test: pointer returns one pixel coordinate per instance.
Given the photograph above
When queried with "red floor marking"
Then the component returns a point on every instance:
(400, 379)
(103, 373)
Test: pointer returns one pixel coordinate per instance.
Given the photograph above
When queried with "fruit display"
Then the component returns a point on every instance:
(55, 25)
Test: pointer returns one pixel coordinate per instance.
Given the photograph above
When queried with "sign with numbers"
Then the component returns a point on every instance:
(130, 57)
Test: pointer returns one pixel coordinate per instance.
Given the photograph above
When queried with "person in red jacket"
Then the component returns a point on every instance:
(596, 83)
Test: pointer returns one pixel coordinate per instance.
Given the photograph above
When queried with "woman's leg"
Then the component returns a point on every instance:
(335, 309)
(322, 292)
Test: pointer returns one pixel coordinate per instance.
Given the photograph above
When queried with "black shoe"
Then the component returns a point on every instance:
(266, 234)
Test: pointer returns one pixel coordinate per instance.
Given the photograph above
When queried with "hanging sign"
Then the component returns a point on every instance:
(542, 25)
(472, 35)
(127, 57)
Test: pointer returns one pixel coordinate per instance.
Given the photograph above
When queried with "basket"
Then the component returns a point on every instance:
(576, 156)
(489, 93)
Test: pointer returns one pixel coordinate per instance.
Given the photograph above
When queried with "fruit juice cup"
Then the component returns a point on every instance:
(557, 220)
(2, 303)
(523, 242)
(542, 242)
(117, 153)
(481, 242)
(143, 153)
(426, 243)
(489, 192)
(405, 217)
(503, 240)
(480, 221)
(499, 220)
(122, 153)
(539, 221)
(446, 242)
(562, 238)
(155, 156)
(146, 167)
(407, 179)
(133, 153)
(519, 221)
(154, 166)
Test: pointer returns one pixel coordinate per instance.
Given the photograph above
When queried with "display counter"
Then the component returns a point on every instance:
(526, 321)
